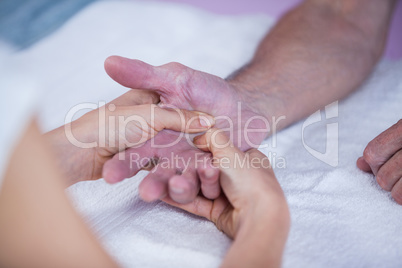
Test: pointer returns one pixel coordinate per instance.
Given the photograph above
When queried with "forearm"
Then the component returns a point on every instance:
(38, 225)
(316, 54)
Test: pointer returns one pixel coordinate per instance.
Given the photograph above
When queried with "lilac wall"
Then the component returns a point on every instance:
(276, 8)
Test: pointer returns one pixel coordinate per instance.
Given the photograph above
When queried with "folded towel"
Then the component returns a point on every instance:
(340, 216)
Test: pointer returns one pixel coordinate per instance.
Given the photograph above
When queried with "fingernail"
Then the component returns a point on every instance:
(177, 190)
(206, 121)
(209, 173)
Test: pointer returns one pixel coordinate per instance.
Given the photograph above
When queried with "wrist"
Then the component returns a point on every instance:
(74, 162)
(263, 100)
(265, 214)
(262, 234)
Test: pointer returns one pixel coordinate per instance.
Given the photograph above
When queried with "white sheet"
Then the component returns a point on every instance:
(340, 217)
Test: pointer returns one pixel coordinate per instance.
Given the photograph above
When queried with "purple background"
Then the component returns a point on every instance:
(277, 8)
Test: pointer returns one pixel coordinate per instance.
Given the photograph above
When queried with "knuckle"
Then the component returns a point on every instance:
(369, 154)
(382, 180)
(209, 178)
(175, 65)
(179, 72)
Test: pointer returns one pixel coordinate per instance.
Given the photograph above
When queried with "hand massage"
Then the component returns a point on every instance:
(292, 159)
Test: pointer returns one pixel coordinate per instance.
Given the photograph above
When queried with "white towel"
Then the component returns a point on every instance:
(340, 216)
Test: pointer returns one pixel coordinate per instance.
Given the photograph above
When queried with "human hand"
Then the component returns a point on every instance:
(383, 158)
(88, 142)
(252, 208)
(185, 88)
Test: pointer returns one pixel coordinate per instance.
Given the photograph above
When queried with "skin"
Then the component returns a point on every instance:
(252, 208)
(32, 198)
(318, 53)
(179, 86)
(383, 158)
(38, 225)
(288, 76)
(87, 163)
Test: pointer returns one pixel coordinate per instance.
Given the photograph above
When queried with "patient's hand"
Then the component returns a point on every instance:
(383, 157)
(84, 145)
(185, 88)
(252, 208)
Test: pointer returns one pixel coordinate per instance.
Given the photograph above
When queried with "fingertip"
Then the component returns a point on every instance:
(114, 171)
(363, 165)
(209, 177)
(111, 59)
(181, 190)
(151, 190)
(201, 142)
(111, 62)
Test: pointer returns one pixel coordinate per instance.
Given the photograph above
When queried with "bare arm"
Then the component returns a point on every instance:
(317, 53)
(38, 226)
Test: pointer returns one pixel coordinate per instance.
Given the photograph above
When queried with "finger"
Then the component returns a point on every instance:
(136, 74)
(362, 165)
(115, 171)
(184, 188)
(126, 164)
(136, 97)
(200, 206)
(216, 142)
(381, 148)
(231, 162)
(397, 192)
(154, 185)
(138, 124)
(209, 177)
(142, 122)
(258, 160)
(390, 172)
(181, 120)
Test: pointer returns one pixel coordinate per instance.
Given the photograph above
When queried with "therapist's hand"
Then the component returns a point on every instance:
(383, 158)
(252, 208)
(84, 145)
(185, 88)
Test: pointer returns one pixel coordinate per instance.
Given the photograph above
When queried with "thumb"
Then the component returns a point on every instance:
(216, 142)
(180, 120)
(136, 74)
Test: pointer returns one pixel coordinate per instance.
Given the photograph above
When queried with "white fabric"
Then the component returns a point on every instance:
(17, 103)
(340, 217)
